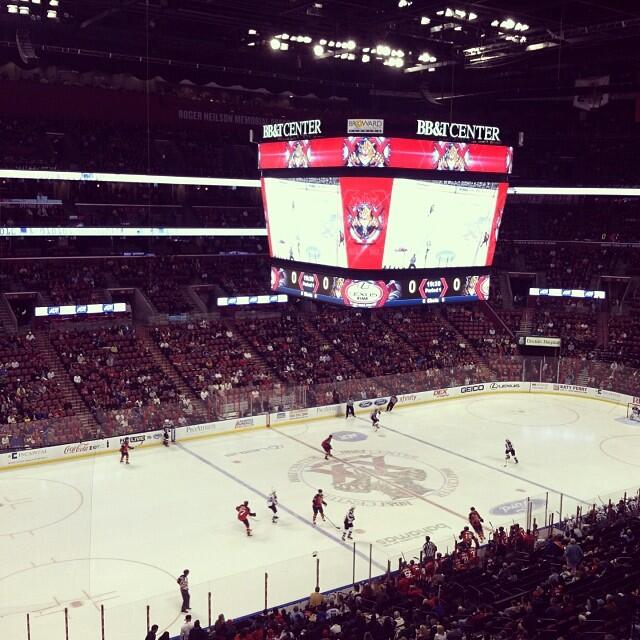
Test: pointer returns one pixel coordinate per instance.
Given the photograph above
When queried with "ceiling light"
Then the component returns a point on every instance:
(275, 44)
(366, 50)
(294, 38)
(318, 50)
(35, 1)
(431, 69)
(448, 12)
(495, 23)
(365, 58)
(251, 32)
(306, 40)
(332, 43)
(351, 56)
(440, 13)
(12, 8)
(53, 3)
(24, 11)
(404, 3)
(338, 45)
(284, 46)
(425, 20)
(472, 16)
(344, 56)
(541, 45)
(524, 27)
(251, 44)
(284, 36)
(323, 42)
(460, 13)
(400, 53)
(458, 28)
(509, 23)
(351, 45)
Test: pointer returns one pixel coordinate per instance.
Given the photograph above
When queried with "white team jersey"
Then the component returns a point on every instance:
(272, 500)
(349, 518)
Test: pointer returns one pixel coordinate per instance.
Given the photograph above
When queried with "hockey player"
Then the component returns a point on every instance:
(509, 451)
(375, 419)
(165, 436)
(466, 539)
(326, 446)
(272, 503)
(350, 410)
(392, 403)
(243, 515)
(475, 520)
(317, 504)
(124, 450)
(349, 519)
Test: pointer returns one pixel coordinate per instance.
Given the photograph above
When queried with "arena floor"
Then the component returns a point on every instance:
(94, 532)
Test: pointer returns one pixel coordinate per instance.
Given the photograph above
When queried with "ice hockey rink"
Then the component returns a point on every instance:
(92, 532)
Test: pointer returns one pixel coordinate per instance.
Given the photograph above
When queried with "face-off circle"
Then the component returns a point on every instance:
(29, 504)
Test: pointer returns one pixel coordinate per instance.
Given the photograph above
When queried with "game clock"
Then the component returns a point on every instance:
(382, 290)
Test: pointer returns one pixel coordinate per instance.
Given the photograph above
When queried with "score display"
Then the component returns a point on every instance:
(344, 290)
(375, 223)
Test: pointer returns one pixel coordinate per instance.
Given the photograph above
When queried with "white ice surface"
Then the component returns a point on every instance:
(82, 533)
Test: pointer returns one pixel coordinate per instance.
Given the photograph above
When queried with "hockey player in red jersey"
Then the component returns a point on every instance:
(124, 450)
(475, 520)
(326, 446)
(317, 504)
(243, 515)
(466, 539)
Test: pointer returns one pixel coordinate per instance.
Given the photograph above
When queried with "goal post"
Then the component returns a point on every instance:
(633, 411)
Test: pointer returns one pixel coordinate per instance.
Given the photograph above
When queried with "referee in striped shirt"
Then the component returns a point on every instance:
(428, 550)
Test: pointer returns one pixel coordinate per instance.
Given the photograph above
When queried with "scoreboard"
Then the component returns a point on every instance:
(387, 290)
(367, 216)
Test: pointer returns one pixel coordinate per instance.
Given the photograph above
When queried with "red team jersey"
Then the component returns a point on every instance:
(243, 512)
(124, 448)
(318, 501)
(326, 445)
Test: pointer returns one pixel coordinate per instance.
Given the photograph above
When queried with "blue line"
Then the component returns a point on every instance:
(483, 464)
(285, 509)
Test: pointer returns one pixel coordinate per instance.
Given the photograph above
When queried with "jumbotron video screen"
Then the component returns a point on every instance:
(371, 223)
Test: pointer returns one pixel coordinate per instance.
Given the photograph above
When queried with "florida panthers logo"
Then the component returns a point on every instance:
(451, 156)
(374, 478)
(366, 222)
(366, 152)
(298, 154)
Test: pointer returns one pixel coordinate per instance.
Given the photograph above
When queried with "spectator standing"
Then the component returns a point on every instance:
(185, 629)
(183, 581)
(151, 634)
(198, 633)
(573, 555)
(316, 598)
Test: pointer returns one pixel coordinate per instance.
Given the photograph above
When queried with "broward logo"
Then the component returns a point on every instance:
(374, 478)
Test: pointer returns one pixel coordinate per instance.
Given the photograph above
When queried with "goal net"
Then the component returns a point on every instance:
(633, 411)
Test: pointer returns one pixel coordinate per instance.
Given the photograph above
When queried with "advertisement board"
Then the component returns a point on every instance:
(377, 151)
(111, 445)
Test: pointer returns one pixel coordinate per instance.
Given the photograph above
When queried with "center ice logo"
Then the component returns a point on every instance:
(374, 478)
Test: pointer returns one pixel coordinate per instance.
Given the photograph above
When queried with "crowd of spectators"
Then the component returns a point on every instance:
(114, 372)
(34, 410)
(578, 581)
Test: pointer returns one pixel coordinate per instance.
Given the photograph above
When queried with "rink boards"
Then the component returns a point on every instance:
(152, 438)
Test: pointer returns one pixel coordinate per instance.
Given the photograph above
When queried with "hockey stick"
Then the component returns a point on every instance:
(328, 519)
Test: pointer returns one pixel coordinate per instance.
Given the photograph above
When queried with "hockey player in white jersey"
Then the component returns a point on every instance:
(272, 503)
(349, 519)
(509, 452)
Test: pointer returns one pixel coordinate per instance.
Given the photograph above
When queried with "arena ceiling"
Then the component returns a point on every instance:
(441, 49)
